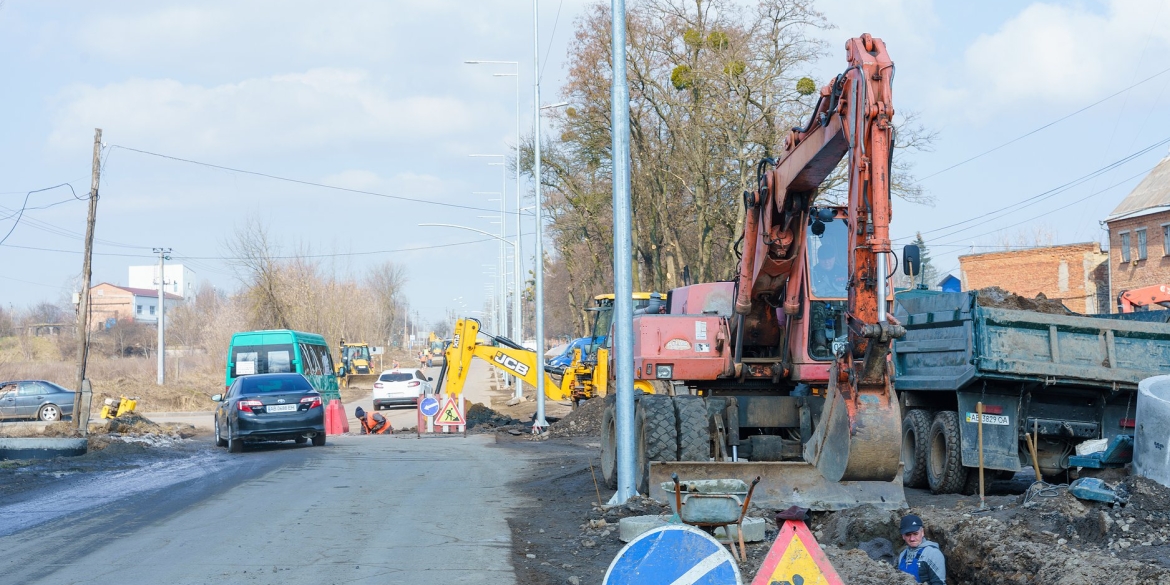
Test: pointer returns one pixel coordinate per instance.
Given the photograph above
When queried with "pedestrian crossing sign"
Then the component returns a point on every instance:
(796, 559)
(450, 414)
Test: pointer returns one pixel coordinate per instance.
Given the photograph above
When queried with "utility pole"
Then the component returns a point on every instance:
(162, 312)
(86, 276)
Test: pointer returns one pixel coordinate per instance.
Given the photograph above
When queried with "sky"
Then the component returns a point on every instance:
(1029, 100)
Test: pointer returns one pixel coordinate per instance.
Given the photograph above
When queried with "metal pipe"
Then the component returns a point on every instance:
(517, 276)
(623, 318)
(882, 277)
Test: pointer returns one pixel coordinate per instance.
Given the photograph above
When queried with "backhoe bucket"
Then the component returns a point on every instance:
(857, 439)
(784, 484)
(361, 381)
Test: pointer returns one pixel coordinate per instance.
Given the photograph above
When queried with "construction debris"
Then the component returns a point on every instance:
(583, 421)
(998, 298)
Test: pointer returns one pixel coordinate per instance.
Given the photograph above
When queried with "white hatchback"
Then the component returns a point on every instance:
(400, 387)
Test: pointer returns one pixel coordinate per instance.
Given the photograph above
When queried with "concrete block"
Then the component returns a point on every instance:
(632, 527)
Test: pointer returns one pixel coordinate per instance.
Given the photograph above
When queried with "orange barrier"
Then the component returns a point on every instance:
(336, 423)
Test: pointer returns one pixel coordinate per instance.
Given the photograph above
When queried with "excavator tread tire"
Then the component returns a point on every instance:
(916, 447)
(657, 435)
(694, 428)
(944, 470)
(609, 447)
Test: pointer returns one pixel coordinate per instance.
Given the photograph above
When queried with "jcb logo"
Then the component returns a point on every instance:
(510, 363)
(455, 342)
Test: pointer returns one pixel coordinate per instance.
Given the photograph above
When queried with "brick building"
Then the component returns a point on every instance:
(1139, 235)
(109, 304)
(1076, 274)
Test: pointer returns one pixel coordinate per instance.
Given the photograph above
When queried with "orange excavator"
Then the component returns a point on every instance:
(784, 373)
(1141, 298)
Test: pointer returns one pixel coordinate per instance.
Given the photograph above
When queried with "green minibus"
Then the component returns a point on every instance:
(282, 351)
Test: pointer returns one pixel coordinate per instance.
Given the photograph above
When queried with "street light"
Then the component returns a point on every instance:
(515, 250)
(502, 301)
(517, 312)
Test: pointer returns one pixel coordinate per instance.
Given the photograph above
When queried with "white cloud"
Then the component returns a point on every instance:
(318, 108)
(1065, 54)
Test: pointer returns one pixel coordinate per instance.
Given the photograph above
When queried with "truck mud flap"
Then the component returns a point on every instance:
(784, 484)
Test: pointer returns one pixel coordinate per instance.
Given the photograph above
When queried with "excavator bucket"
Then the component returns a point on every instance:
(784, 483)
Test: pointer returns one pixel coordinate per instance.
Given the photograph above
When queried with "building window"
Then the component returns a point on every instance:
(139, 309)
(1124, 246)
(1166, 239)
(1141, 237)
(152, 309)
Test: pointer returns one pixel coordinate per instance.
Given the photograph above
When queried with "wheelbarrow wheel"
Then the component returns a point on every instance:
(657, 435)
(609, 448)
(694, 429)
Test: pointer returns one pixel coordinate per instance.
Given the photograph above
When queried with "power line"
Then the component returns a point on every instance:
(24, 206)
(308, 183)
(1028, 202)
(34, 283)
(1056, 121)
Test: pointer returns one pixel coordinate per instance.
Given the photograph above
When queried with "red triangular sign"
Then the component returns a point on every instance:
(450, 414)
(796, 559)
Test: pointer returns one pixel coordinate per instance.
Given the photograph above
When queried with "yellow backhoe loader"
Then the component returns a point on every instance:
(355, 369)
(585, 377)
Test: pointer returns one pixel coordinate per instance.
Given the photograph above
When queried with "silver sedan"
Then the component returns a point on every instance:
(35, 399)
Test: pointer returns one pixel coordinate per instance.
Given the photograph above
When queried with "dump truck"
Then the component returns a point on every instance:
(784, 373)
(355, 369)
(1055, 378)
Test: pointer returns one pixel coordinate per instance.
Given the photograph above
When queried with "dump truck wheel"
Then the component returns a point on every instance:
(971, 486)
(694, 428)
(657, 435)
(609, 448)
(944, 470)
(915, 448)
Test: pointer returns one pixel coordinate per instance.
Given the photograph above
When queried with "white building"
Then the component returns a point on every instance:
(180, 280)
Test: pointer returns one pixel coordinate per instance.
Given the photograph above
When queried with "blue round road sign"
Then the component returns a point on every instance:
(675, 554)
(429, 406)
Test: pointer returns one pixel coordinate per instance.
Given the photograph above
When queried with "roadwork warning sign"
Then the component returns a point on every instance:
(796, 559)
(450, 414)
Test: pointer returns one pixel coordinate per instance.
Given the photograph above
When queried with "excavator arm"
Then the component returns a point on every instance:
(1158, 294)
(508, 356)
(859, 436)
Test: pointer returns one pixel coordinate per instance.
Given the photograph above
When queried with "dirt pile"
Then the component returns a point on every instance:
(998, 298)
(485, 419)
(62, 430)
(583, 421)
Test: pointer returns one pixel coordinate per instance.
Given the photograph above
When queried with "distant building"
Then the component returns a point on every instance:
(110, 304)
(1075, 274)
(180, 280)
(1139, 235)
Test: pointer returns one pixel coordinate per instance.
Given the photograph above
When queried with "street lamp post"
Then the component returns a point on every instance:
(518, 393)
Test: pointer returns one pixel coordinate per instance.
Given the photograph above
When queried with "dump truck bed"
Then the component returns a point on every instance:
(952, 341)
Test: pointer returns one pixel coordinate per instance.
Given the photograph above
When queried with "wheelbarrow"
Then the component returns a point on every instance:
(711, 503)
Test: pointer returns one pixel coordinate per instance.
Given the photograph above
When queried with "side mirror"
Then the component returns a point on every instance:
(911, 260)
(430, 379)
(217, 398)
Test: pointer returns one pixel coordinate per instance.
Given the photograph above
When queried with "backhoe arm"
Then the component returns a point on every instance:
(465, 346)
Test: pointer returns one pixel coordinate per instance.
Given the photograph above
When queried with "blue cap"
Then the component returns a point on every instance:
(910, 523)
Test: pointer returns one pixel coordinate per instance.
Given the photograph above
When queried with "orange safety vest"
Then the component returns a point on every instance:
(370, 425)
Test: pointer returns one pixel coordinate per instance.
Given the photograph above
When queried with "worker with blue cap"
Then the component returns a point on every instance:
(921, 558)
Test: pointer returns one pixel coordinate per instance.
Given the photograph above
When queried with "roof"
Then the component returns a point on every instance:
(1150, 196)
(143, 292)
(1080, 247)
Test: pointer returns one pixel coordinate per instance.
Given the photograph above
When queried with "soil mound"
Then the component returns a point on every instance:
(482, 417)
(998, 298)
(583, 421)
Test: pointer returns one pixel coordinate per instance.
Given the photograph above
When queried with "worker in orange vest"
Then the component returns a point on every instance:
(372, 423)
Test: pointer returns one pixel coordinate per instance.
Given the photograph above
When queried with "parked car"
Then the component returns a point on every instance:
(269, 407)
(400, 387)
(35, 399)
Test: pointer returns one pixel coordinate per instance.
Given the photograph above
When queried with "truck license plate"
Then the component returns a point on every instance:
(281, 408)
(988, 419)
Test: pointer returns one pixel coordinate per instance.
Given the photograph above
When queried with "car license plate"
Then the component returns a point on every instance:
(281, 408)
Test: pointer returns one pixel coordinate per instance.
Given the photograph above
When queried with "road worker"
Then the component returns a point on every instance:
(921, 558)
(372, 423)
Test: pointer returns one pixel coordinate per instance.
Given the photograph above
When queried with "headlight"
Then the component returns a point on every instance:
(664, 372)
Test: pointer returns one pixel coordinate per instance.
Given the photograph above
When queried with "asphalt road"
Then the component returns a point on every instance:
(362, 509)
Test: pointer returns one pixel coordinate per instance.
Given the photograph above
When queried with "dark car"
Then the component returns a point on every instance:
(269, 407)
(35, 399)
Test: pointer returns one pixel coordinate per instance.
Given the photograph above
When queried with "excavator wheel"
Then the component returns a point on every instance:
(944, 470)
(694, 429)
(609, 447)
(657, 435)
(915, 447)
